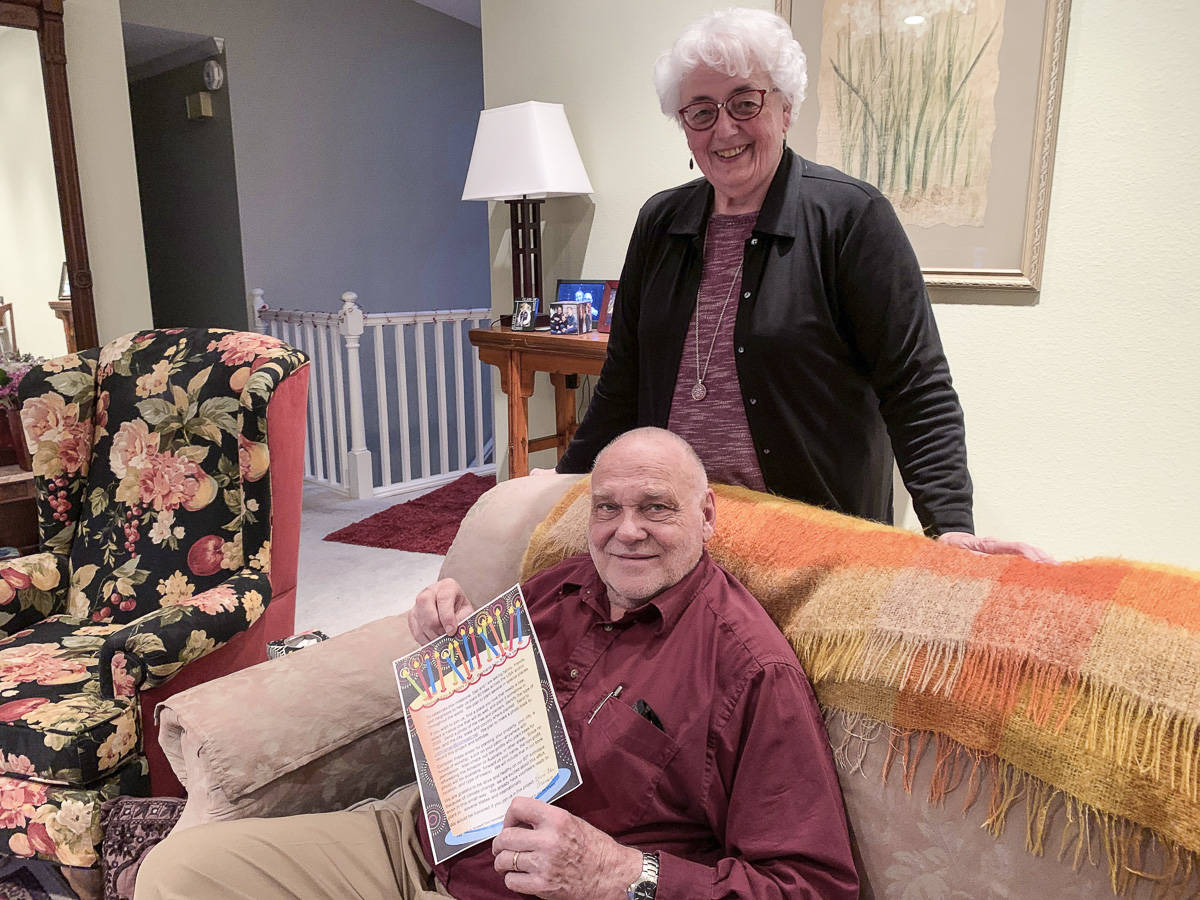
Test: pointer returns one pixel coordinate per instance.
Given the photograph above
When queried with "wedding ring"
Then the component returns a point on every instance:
(513, 867)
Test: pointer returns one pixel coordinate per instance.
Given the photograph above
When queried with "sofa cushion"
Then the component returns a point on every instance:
(54, 725)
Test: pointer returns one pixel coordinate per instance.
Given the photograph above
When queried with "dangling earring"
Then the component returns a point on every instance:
(691, 163)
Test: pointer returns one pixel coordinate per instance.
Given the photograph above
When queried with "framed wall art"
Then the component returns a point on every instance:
(950, 108)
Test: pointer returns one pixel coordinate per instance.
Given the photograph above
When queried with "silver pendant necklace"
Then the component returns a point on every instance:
(699, 391)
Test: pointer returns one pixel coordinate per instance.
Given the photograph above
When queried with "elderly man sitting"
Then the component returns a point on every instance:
(708, 774)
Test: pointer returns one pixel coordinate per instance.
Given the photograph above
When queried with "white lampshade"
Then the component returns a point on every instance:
(525, 150)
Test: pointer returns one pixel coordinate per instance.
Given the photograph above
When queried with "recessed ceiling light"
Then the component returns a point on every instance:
(914, 20)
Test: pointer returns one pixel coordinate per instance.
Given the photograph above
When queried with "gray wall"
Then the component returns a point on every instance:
(352, 129)
(188, 190)
(352, 126)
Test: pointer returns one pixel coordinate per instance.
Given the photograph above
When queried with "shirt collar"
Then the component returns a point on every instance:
(778, 216)
(666, 609)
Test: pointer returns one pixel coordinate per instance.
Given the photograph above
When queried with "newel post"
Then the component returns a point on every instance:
(259, 304)
(358, 457)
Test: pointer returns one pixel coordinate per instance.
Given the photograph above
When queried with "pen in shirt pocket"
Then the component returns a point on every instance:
(615, 692)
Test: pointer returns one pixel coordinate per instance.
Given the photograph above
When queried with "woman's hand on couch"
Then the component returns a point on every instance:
(994, 546)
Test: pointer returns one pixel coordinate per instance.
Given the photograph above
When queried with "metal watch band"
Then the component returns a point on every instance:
(646, 885)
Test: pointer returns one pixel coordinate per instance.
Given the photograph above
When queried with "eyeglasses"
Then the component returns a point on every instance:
(741, 105)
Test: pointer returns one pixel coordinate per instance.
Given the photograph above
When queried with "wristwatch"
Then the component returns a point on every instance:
(646, 885)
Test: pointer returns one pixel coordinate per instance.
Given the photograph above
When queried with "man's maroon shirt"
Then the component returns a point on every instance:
(737, 790)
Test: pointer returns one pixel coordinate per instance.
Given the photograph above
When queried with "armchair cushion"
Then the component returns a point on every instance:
(54, 725)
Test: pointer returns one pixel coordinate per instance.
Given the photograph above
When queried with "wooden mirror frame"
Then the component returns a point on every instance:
(46, 18)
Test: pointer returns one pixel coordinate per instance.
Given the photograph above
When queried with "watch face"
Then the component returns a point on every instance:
(644, 890)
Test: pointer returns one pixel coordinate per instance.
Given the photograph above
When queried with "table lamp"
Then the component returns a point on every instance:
(523, 154)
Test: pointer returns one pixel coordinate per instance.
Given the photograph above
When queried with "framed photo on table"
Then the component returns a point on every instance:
(525, 313)
(951, 110)
(583, 291)
(604, 323)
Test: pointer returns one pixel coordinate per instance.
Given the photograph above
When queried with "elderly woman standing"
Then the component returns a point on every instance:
(773, 312)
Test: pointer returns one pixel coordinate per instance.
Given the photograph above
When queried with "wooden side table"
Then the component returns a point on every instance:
(18, 511)
(518, 355)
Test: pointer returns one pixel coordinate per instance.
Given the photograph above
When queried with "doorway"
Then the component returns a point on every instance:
(183, 143)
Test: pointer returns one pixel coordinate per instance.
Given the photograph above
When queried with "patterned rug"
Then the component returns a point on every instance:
(31, 880)
(425, 524)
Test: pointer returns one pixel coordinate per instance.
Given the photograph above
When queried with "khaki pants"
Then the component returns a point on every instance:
(368, 853)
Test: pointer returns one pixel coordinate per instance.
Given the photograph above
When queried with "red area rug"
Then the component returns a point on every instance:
(425, 524)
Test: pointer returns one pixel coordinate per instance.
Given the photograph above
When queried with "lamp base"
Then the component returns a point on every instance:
(525, 218)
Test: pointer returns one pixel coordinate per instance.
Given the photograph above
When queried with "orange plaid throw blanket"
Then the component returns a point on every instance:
(1073, 686)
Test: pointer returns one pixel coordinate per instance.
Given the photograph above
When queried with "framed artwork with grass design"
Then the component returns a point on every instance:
(950, 108)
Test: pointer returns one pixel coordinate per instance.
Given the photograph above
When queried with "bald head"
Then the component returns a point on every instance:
(659, 444)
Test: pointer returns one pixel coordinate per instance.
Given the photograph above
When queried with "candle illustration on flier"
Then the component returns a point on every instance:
(407, 674)
(515, 629)
(499, 610)
(485, 621)
(448, 656)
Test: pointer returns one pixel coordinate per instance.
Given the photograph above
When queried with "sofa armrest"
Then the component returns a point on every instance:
(485, 557)
(311, 731)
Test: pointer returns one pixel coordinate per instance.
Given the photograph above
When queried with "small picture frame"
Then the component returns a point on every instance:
(525, 314)
(564, 317)
(586, 291)
(607, 304)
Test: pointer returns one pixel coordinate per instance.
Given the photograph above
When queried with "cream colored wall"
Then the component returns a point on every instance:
(1082, 412)
(107, 172)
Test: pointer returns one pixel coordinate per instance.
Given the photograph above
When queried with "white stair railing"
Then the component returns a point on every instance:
(340, 452)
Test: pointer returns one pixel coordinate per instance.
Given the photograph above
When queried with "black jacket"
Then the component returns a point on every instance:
(835, 340)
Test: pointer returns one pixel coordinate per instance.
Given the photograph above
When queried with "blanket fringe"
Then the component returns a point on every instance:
(1145, 737)
(1086, 834)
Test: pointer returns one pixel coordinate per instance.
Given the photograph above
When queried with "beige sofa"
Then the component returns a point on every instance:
(323, 729)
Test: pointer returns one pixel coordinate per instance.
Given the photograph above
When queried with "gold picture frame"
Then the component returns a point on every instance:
(1002, 248)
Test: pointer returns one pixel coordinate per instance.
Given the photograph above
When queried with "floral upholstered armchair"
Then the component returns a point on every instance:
(168, 473)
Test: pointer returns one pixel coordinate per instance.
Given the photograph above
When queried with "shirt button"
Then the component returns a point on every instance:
(741, 349)
(754, 242)
(574, 673)
(746, 296)
(608, 627)
(753, 400)
(766, 452)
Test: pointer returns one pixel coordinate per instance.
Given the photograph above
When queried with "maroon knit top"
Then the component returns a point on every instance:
(716, 426)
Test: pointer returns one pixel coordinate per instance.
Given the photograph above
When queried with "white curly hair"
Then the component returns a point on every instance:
(738, 42)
